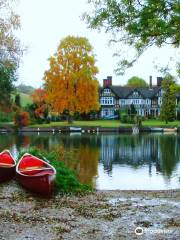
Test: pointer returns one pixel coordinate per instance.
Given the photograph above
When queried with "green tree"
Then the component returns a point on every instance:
(7, 77)
(138, 23)
(168, 108)
(71, 82)
(136, 82)
(177, 88)
(132, 109)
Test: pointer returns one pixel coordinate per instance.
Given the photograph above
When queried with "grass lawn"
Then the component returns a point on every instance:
(99, 123)
(25, 99)
(94, 123)
(6, 124)
(108, 124)
(159, 123)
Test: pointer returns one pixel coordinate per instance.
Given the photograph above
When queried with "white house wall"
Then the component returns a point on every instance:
(110, 102)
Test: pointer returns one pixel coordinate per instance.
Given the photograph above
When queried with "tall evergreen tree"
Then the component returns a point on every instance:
(17, 100)
(132, 109)
(168, 108)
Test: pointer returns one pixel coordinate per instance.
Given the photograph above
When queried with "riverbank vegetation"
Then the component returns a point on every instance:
(66, 179)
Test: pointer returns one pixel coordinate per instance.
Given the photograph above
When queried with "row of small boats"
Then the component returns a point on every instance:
(31, 172)
(158, 129)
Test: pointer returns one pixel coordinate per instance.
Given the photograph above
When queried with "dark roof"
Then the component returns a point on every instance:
(124, 92)
(149, 93)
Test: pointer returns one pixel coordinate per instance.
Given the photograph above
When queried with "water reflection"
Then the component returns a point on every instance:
(160, 150)
(111, 161)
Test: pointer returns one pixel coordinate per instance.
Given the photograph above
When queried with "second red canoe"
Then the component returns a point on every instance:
(36, 174)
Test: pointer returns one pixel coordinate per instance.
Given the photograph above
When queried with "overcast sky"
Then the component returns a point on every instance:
(45, 22)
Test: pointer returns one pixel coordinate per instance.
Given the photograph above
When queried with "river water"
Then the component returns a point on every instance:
(111, 161)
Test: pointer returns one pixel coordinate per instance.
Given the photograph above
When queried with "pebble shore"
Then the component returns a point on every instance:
(100, 215)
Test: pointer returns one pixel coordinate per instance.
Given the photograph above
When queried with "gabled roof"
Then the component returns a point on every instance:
(149, 93)
(124, 92)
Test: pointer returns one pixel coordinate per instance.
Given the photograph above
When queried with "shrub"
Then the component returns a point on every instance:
(122, 112)
(21, 119)
(138, 121)
(125, 118)
(6, 117)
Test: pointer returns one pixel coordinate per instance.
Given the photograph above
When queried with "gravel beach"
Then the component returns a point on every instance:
(101, 215)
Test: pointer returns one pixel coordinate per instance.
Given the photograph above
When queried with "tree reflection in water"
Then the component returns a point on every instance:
(169, 153)
(136, 150)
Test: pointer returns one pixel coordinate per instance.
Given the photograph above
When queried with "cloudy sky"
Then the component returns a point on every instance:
(45, 22)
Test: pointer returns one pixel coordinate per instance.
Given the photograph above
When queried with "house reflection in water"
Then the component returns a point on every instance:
(139, 150)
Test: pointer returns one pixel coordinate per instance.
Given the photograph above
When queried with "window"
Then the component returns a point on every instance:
(107, 90)
(106, 101)
(122, 102)
(135, 94)
(107, 112)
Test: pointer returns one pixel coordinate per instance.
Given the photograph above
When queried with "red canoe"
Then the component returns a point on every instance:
(7, 166)
(35, 174)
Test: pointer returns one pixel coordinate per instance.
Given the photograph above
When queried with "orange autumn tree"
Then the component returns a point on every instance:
(39, 98)
(71, 82)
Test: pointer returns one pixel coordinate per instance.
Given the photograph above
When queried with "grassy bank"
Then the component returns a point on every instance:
(6, 124)
(92, 123)
(107, 124)
(159, 123)
(99, 123)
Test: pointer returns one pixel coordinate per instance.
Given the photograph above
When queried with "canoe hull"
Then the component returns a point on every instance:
(7, 174)
(42, 185)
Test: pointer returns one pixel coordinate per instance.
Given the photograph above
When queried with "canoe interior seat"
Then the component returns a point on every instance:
(37, 171)
(33, 168)
(6, 164)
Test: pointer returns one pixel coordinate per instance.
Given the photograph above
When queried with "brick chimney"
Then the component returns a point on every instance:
(107, 82)
(150, 82)
(159, 81)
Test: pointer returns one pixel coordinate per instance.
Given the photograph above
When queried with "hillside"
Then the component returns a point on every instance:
(25, 88)
(25, 99)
